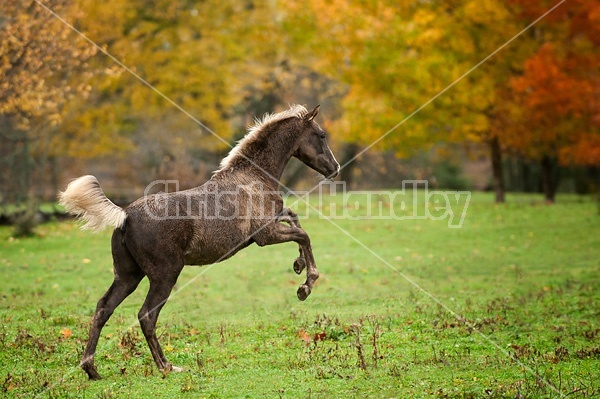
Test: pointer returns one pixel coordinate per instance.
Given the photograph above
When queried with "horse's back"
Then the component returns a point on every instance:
(202, 225)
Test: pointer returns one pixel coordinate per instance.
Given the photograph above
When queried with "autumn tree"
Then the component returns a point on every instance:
(172, 87)
(554, 112)
(467, 56)
(39, 61)
(369, 48)
(414, 62)
(398, 58)
(203, 61)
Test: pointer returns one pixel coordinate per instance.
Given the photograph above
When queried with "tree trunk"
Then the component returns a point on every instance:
(496, 155)
(26, 176)
(548, 185)
(349, 163)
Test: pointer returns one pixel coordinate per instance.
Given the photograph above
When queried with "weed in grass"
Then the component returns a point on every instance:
(130, 344)
(201, 363)
(189, 384)
(589, 353)
(222, 332)
(375, 334)
(356, 332)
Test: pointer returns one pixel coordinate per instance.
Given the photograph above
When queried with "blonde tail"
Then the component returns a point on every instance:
(85, 199)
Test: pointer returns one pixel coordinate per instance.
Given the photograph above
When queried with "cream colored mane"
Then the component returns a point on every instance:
(295, 111)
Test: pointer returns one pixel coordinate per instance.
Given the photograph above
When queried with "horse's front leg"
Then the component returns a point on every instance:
(312, 274)
(276, 233)
(290, 217)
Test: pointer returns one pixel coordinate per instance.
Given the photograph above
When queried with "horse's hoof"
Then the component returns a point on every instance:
(299, 265)
(303, 292)
(91, 372)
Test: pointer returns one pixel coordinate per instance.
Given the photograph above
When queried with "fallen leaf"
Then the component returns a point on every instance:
(66, 332)
(304, 336)
(320, 336)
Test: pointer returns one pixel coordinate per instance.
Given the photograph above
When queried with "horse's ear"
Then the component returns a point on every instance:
(311, 115)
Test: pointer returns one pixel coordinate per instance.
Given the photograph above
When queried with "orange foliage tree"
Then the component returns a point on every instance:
(395, 57)
(554, 112)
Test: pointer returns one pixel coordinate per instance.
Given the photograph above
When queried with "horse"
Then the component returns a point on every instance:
(158, 234)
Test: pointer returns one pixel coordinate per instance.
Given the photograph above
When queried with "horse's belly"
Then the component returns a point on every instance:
(207, 254)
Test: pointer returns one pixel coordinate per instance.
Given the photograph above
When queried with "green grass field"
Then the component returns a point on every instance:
(508, 305)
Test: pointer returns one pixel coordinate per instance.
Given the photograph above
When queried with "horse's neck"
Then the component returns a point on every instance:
(270, 170)
(243, 171)
(267, 164)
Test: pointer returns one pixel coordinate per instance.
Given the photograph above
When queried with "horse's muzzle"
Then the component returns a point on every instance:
(334, 173)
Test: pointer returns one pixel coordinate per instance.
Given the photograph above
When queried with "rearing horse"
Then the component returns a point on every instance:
(158, 234)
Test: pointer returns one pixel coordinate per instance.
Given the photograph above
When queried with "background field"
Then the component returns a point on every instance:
(509, 307)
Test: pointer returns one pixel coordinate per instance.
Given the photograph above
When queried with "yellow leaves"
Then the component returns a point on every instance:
(490, 13)
(423, 17)
(37, 69)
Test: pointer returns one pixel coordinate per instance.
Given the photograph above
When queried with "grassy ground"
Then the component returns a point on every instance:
(506, 306)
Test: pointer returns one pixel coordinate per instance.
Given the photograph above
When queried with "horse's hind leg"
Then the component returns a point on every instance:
(158, 294)
(127, 277)
(312, 274)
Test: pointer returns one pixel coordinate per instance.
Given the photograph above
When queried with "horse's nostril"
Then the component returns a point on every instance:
(337, 171)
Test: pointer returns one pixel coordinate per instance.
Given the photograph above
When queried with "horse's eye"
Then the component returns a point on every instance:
(323, 135)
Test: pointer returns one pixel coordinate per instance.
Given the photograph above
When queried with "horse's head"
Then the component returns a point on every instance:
(313, 149)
